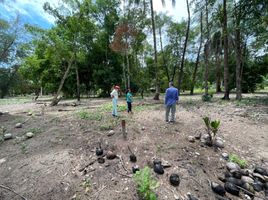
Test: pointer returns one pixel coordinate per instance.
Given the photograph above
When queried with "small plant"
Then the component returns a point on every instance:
(207, 97)
(86, 185)
(241, 162)
(91, 116)
(212, 126)
(146, 184)
(23, 147)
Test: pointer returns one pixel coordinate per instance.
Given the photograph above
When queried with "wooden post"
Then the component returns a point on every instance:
(123, 123)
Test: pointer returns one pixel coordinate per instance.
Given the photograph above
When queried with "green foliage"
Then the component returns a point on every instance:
(23, 147)
(146, 184)
(211, 126)
(206, 97)
(90, 116)
(241, 162)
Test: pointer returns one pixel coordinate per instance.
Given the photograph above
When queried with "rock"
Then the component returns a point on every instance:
(18, 125)
(217, 188)
(191, 197)
(247, 179)
(176, 197)
(29, 135)
(135, 168)
(143, 128)
(8, 136)
(266, 178)
(221, 178)
(191, 139)
(261, 171)
(225, 156)
(198, 135)
(219, 143)
(236, 174)
(231, 188)
(259, 177)
(110, 155)
(265, 185)
(266, 193)
(258, 186)
(227, 174)
(29, 114)
(245, 172)
(111, 132)
(249, 189)
(235, 181)
(1, 113)
(247, 197)
(2, 160)
(174, 180)
(232, 166)
(132, 157)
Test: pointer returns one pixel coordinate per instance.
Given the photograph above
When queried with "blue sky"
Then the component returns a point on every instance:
(31, 11)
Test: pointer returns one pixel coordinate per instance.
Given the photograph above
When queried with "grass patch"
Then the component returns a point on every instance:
(15, 100)
(96, 116)
(241, 162)
(34, 130)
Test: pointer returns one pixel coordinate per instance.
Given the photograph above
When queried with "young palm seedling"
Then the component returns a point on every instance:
(212, 129)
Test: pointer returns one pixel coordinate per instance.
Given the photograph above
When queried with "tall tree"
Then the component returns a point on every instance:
(225, 46)
(185, 46)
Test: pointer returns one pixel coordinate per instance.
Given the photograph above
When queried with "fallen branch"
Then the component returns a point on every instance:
(90, 163)
(122, 163)
(7, 188)
(249, 192)
(128, 176)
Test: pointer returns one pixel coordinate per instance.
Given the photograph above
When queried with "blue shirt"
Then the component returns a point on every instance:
(172, 96)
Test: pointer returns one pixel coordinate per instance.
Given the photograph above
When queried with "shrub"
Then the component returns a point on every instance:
(146, 184)
(207, 97)
(212, 126)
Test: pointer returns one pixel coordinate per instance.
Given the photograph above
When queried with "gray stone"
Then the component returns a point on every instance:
(18, 125)
(225, 156)
(111, 132)
(2, 160)
(191, 139)
(232, 166)
(143, 128)
(259, 176)
(29, 135)
(198, 135)
(7, 136)
(247, 179)
(219, 143)
(29, 114)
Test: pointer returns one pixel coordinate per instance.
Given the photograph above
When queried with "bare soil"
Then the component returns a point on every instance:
(52, 164)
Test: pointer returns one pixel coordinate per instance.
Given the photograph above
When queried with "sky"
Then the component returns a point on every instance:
(31, 11)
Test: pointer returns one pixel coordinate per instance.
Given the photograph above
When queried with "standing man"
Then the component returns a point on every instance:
(171, 98)
(114, 95)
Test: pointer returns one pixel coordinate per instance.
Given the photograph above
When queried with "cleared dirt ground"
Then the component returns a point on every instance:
(50, 165)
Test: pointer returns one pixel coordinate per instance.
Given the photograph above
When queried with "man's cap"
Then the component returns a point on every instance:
(116, 87)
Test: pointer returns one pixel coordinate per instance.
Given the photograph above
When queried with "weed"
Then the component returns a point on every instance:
(207, 97)
(90, 116)
(87, 185)
(23, 147)
(241, 162)
(35, 130)
(146, 184)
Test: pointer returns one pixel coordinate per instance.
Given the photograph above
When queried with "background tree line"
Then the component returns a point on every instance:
(222, 44)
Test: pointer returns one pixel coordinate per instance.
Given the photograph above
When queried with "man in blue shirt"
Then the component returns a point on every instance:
(171, 98)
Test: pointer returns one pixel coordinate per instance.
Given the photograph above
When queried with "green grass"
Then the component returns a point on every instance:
(241, 162)
(96, 116)
(34, 130)
(15, 100)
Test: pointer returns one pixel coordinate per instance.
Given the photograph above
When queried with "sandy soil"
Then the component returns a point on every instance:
(52, 164)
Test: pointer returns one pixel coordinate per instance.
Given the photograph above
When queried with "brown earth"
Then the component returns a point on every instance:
(48, 165)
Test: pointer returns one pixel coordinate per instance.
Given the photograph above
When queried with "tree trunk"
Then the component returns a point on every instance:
(77, 83)
(218, 73)
(163, 55)
(198, 54)
(185, 46)
(56, 100)
(206, 54)
(128, 72)
(238, 56)
(225, 44)
(156, 97)
(124, 72)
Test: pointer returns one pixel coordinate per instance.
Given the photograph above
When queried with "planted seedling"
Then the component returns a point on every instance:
(132, 156)
(212, 126)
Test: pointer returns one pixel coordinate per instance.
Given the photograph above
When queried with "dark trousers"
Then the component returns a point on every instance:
(129, 106)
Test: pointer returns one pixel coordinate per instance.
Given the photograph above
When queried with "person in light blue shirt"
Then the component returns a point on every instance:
(171, 99)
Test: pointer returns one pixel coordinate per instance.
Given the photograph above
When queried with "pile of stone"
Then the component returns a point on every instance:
(247, 183)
